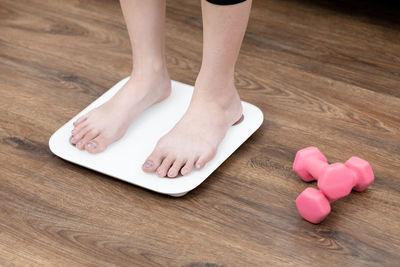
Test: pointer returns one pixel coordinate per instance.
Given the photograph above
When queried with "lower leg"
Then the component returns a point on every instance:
(223, 32)
(145, 21)
(149, 82)
(215, 103)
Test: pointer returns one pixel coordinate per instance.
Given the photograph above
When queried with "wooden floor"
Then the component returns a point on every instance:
(325, 73)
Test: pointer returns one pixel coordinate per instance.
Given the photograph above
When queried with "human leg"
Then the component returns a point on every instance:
(215, 103)
(149, 82)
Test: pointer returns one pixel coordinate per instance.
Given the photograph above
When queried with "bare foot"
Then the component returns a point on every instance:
(108, 123)
(195, 138)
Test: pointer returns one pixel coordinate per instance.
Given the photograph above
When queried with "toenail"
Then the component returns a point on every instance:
(198, 166)
(73, 139)
(159, 172)
(79, 143)
(91, 145)
(171, 173)
(184, 171)
(148, 164)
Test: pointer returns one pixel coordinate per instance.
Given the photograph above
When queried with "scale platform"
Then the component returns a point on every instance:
(124, 158)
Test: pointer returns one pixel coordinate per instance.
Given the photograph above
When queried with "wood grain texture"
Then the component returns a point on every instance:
(325, 73)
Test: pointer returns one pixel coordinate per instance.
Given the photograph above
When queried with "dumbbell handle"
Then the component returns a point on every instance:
(330, 200)
(315, 167)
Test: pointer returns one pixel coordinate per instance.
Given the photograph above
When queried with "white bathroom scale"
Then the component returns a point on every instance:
(123, 159)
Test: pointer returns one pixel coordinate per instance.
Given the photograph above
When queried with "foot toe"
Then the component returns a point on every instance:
(188, 167)
(77, 136)
(77, 129)
(206, 157)
(175, 168)
(90, 135)
(97, 145)
(200, 164)
(165, 165)
(80, 120)
(80, 127)
(153, 161)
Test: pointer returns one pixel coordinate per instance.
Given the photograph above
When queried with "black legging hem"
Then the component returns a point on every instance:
(225, 2)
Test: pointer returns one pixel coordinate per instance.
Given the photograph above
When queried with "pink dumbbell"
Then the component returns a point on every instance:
(335, 180)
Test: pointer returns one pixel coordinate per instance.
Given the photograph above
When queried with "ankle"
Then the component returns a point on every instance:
(216, 84)
(150, 67)
(217, 81)
(220, 90)
(218, 71)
